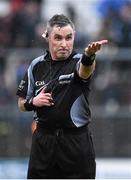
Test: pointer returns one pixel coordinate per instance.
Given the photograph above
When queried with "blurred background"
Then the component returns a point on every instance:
(21, 24)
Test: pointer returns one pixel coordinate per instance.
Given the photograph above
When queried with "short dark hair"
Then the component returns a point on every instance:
(59, 20)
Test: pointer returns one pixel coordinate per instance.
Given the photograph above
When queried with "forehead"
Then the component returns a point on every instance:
(65, 30)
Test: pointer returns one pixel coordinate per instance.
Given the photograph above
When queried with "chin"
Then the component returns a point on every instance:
(63, 56)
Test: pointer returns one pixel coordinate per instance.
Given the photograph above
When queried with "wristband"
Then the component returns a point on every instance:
(88, 60)
(29, 105)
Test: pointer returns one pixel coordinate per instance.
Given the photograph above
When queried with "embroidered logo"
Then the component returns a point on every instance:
(21, 85)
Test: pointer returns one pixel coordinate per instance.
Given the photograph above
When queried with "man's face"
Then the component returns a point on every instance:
(61, 41)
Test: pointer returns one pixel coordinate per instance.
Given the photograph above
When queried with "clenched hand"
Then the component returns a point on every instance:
(43, 99)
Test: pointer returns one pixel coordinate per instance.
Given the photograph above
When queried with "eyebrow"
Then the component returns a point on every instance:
(61, 35)
(70, 34)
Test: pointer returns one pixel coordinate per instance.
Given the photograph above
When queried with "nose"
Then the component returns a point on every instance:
(63, 44)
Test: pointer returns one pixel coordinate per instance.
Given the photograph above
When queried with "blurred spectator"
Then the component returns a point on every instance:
(71, 11)
(5, 27)
(125, 25)
(20, 70)
(5, 95)
(107, 7)
(24, 23)
(81, 39)
(16, 5)
(107, 85)
(116, 22)
(3, 54)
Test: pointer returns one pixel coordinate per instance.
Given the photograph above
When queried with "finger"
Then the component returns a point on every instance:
(44, 91)
(47, 95)
(95, 46)
(89, 46)
(48, 99)
(98, 46)
(44, 102)
(48, 103)
(103, 41)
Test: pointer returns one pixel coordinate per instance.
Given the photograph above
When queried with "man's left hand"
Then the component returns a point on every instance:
(94, 47)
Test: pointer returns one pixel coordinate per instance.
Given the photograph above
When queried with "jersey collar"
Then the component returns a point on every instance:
(48, 56)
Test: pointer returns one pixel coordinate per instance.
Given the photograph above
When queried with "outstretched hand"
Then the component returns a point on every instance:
(94, 47)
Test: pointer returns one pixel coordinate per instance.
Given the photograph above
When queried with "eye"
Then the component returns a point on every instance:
(69, 37)
(58, 38)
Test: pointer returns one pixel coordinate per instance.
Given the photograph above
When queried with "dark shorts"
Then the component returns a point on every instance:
(62, 154)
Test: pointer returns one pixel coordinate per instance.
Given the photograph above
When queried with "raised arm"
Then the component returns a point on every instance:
(87, 65)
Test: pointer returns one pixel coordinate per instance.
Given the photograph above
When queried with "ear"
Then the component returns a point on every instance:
(45, 35)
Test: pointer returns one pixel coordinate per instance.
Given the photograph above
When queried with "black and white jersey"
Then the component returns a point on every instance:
(70, 93)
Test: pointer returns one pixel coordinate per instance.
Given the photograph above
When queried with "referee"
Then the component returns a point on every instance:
(56, 87)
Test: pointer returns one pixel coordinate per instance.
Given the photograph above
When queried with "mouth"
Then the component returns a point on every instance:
(63, 51)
